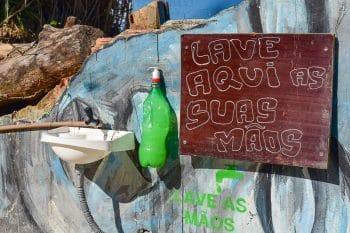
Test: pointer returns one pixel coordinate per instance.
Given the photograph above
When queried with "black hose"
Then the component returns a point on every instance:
(83, 202)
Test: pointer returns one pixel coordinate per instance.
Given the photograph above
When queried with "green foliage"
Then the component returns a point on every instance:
(21, 19)
(55, 23)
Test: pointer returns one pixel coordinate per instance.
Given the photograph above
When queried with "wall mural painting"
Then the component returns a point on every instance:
(196, 204)
(197, 194)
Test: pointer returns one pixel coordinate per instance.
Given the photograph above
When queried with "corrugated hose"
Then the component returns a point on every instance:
(83, 202)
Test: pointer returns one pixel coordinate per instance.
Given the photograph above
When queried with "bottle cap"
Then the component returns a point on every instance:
(155, 74)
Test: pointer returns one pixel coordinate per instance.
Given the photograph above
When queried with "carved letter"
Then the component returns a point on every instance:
(317, 76)
(232, 141)
(267, 110)
(251, 82)
(291, 142)
(267, 48)
(198, 80)
(197, 114)
(244, 111)
(299, 76)
(252, 140)
(246, 52)
(219, 50)
(224, 79)
(271, 141)
(271, 73)
(222, 115)
(200, 60)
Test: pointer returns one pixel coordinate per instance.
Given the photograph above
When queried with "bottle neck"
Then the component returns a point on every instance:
(155, 84)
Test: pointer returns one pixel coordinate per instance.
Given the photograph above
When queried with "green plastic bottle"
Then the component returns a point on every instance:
(155, 126)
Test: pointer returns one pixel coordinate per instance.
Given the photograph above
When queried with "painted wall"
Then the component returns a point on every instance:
(38, 195)
(191, 9)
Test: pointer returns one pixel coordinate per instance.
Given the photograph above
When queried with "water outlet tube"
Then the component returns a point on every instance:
(83, 202)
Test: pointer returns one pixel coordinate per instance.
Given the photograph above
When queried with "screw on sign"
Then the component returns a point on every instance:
(258, 97)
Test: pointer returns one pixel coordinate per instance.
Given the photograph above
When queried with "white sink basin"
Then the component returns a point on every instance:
(86, 145)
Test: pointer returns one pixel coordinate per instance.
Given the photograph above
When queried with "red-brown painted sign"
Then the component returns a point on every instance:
(257, 97)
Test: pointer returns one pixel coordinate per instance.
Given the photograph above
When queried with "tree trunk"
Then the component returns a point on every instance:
(25, 79)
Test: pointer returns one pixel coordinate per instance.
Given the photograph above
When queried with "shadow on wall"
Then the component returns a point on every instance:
(170, 174)
(338, 160)
(119, 175)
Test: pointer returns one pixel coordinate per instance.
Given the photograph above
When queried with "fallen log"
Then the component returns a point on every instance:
(59, 53)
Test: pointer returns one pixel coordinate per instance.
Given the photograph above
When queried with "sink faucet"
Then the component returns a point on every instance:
(229, 173)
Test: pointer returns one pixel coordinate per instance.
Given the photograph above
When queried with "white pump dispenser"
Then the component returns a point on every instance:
(155, 74)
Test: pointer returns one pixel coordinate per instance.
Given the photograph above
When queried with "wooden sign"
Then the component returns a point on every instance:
(257, 97)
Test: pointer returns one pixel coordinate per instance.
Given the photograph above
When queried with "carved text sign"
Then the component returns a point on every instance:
(258, 97)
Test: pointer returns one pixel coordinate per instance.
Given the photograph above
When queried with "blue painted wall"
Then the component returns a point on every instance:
(37, 189)
(191, 9)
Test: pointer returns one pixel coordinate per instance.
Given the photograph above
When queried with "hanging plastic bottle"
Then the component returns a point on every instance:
(155, 126)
